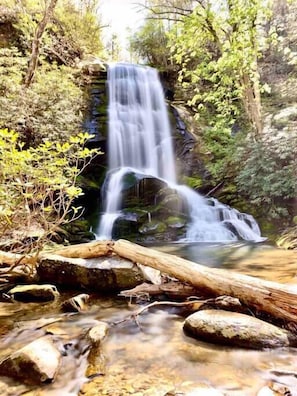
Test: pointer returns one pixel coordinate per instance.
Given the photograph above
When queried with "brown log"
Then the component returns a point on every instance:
(85, 250)
(277, 300)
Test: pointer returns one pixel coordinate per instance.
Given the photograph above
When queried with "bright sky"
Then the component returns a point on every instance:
(120, 15)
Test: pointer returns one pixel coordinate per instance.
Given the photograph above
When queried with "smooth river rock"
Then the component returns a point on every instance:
(236, 329)
(34, 293)
(103, 274)
(37, 362)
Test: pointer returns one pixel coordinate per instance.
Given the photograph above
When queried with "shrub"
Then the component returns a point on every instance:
(38, 185)
(267, 172)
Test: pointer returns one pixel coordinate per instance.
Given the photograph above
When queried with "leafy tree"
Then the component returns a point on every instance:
(217, 48)
(150, 44)
(79, 25)
(51, 108)
(40, 29)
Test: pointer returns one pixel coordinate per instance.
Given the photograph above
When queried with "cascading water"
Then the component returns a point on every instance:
(139, 142)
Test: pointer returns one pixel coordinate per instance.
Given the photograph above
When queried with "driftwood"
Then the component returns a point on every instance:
(173, 290)
(274, 299)
(86, 250)
(7, 258)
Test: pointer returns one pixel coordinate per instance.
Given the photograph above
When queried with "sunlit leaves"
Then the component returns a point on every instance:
(216, 46)
(38, 185)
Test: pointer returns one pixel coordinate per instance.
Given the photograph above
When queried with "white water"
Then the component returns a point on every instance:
(139, 142)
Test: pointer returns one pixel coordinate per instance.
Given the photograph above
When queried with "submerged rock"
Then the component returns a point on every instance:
(236, 329)
(37, 362)
(34, 293)
(101, 274)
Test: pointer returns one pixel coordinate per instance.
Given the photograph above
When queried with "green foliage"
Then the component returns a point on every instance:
(80, 26)
(267, 172)
(219, 148)
(217, 48)
(149, 44)
(193, 182)
(50, 109)
(38, 185)
(73, 32)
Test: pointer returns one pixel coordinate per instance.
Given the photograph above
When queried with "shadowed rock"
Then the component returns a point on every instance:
(34, 293)
(37, 362)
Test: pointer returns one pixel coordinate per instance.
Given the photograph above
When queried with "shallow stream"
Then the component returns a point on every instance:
(153, 357)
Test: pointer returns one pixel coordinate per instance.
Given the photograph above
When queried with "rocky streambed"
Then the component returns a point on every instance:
(78, 342)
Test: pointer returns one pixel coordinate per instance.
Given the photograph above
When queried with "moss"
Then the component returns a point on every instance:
(153, 227)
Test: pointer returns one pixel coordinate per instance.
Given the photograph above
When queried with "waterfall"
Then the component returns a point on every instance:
(139, 142)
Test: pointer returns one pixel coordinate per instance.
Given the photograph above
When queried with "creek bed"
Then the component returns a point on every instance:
(153, 357)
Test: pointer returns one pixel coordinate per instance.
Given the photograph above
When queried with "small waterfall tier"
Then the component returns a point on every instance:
(140, 144)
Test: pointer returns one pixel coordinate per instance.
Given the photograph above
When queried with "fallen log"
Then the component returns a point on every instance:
(7, 258)
(277, 300)
(85, 250)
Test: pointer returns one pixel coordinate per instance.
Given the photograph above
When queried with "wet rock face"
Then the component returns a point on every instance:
(152, 211)
(36, 363)
(103, 275)
(235, 329)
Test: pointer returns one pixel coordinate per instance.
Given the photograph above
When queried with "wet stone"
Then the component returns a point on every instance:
(35, 363)
(31, 293)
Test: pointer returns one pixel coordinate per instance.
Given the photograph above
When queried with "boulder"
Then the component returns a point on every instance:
(236, 329)
(34, 293)
(35, 363)
(103, 274)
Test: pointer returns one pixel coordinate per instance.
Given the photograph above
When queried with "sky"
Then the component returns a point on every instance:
(120, 15)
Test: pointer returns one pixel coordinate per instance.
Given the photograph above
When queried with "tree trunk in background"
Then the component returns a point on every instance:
(252, 103)
(36, 42)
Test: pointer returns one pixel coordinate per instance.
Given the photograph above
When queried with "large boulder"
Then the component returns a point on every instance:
(37, 362)
(236, 329)
(103, 274)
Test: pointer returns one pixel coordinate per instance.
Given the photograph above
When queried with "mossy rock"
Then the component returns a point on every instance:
(175, 222)
(153, 227)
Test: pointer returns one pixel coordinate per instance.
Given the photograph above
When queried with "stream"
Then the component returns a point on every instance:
(153, 357)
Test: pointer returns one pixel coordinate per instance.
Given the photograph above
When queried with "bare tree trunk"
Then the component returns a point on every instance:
(279, 301)
(36, 42)
(252, 103)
